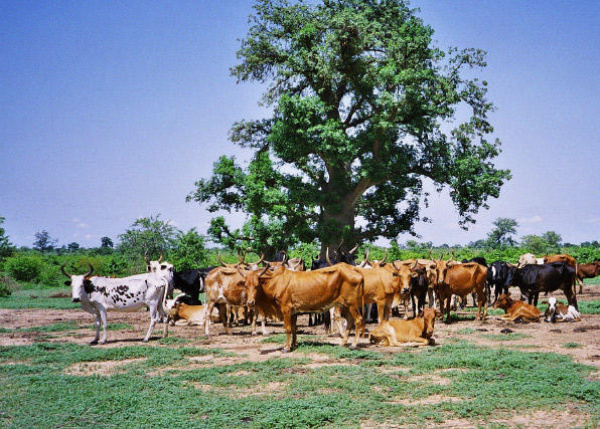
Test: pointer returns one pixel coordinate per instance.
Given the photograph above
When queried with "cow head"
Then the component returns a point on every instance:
(550, 314)
(296, 264)
(405, 276)
(504, 301)
(429, 319)
(80, 285)
(253, 281)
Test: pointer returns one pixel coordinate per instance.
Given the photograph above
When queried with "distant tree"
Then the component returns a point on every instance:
(107, 243)
(188, 251)
(535, 244)
(6, 247)
(500, 236)
(73, 247)
(478, 244)
(554, 240)
(148, 235)
(43, 242)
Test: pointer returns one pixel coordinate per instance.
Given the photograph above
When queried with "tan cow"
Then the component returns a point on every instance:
(516, 309)
(399, 332)
(461, 280)
(587, 271)
(284, 293)
(184, 314)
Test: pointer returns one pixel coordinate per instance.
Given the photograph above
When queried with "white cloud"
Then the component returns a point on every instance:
(79, 224)
(534, 219)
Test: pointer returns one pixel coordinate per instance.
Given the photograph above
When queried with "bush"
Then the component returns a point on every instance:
(24, 268)
(7, 285)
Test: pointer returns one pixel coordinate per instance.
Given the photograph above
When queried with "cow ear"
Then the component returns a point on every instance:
(68, 283)
(163, 267)
(395, 275)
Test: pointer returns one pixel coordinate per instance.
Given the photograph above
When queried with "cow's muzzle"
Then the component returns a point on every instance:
(251, 303)
(76, 299)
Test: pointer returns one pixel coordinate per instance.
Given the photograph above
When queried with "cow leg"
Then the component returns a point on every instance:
(359, 325)
(97, 322)
(446, 302)
(103, 317)
(571, 298)
(431, 298)
(153, 317)
(294, 331)
(207, 317)
(287, 323)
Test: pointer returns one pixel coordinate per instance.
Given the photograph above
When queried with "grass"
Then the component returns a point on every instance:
(38, 298)
(353, 388)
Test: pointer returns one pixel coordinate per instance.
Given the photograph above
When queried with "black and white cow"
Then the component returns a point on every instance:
(99, 294)
(191, 282)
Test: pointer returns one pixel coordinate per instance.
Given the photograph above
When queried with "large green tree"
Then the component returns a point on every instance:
(366, 109)
(150, 236)
(501, 235)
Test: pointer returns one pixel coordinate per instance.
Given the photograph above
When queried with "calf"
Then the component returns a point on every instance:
(558, 312)
(516, 309)
(99, 294)
(397, 332)
(184, 314)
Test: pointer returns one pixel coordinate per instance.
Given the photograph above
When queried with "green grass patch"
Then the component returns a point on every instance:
(352, 389)
(589, 307)
(572, 345)
(38, 298)
(512, 336)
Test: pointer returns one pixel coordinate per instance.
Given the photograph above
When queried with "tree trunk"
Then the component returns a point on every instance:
(338, 226)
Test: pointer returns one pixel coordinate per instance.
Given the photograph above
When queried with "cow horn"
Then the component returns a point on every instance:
(340, 246)
(327, 257)
(262, 258)
(395, 267)
(430, 251)
(382, 263)
(414, 265)
(285, 257)
(91, 270)
(265, 270)
(351, 251)
(62, 270)
(367, 255)
(221, 260)
(146, 258)
(240, 271)
(161, 257)
(441, 257)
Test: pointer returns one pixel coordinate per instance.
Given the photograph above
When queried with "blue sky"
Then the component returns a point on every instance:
(112, 110)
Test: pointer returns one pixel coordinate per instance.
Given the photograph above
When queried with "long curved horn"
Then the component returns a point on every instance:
(161, 257)
(91, 271)
(146, 258)
(340, 246)
(240, 271)
(382, 263)
(367, 255)
(395, 267)
(285, 257)
(441, 257)
(327, 257)
(414, 265)
(351, 251)
(265, 270)
(62, 270)
(221, 260)
(262, 258)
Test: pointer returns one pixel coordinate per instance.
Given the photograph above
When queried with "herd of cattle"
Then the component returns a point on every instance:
(338, 289)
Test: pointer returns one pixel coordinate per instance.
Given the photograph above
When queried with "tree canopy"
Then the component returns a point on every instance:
(366, 110)
(501, 235)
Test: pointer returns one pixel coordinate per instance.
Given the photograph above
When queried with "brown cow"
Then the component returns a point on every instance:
(285, 294)
(516, 309)
(381, 284)
(558, 312)
(587, 271)
(560, 258)
(396, 332)
(188, 314)
(461, 280)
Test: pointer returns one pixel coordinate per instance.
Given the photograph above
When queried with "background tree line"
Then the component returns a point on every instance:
(153, 236)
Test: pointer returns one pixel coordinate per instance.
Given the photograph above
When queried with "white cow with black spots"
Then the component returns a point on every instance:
(97, 295)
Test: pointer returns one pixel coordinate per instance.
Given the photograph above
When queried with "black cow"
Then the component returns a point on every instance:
(500, 275)
(479, 259)
(418, 288)
(533, 279)
(191, 282)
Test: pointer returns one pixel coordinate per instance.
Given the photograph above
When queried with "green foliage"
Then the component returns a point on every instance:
(501, 236)
(6, 286)
(148, 235)
(188, 251)
(362, 100)
(43, 242)
(24, 267)
(6, 248)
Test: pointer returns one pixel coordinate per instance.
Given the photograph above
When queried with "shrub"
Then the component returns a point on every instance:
(24, 267)
(7, 285)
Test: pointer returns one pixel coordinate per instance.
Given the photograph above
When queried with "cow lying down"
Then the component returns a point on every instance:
(558, 312)
(184, 314)
(395, 333)
(516, 309)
